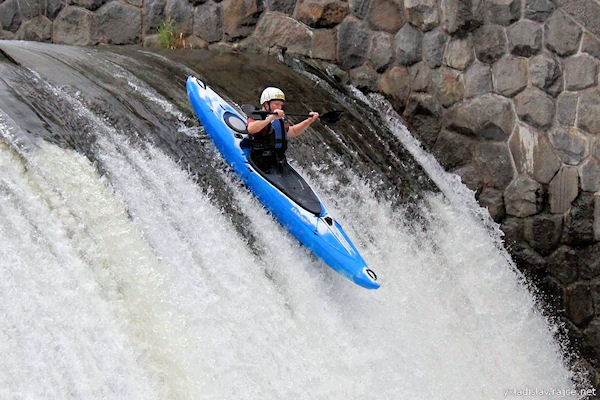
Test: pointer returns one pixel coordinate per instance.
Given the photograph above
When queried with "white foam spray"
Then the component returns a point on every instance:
(134, 285)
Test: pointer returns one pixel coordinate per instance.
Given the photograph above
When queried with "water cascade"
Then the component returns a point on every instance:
(136, 265)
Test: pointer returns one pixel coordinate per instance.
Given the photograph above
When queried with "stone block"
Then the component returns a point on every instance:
(453, 150)
(385, 15)
(459, 16)
(545, 73)
(53, 7)
(562, 34)
(422, 13)
(586, 12)
(208, 22)
(240, 18)
(493, 162)
(570, 144)
(395, 82)
(38, 29)
(276, 29)
(523, 197)
(423, 114)
(493, 200)
(589, 111)
(566, 108)
(589, 265)
(581, 72)
(535, 107)
(381, 50)
(408, 44)
(154, 15)
(358, 8)
(487, 117)
(596, 226)
(529, 262)
(591, 338)
(151, 41)
(533, 154)
(10, 16)
(194, 42)
(324, 44)
(478, 80)
(470, 177)
(490, 43)
(6, 35)
(182, 14)
(538, 10)
(510, 75)
(563, 265)
(589, 173)
(543, 232)
(364, 78)
(420, 77)
(287, 6)
(353, 39)
(563, 189)
(524, 38)
(502, 12)
(513, 230)
(434, 43)
(77, 26)
(579, 222)
(448, 86)
(91, 5)
(459, 53)
(321, 13)
(580, 306)
(119, 23)
(590, 45)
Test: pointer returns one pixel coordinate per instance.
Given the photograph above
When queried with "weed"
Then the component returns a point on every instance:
(168, 37)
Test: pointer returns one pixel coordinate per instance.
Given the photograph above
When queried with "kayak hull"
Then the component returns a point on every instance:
(318, 232)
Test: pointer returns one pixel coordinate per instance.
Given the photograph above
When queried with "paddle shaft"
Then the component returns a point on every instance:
(328, 117)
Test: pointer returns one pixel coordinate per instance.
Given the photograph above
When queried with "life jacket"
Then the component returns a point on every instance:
(274, 138)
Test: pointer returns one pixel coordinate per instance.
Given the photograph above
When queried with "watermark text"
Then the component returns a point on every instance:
(537, 392)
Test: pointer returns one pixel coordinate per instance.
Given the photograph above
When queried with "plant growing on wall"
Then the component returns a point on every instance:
(168, 37)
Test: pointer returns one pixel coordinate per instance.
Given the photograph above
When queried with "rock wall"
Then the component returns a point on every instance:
(504, 92)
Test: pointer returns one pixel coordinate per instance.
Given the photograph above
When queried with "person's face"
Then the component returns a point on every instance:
(276, 105)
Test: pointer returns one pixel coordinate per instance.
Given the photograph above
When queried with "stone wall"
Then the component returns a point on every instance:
(504, 92)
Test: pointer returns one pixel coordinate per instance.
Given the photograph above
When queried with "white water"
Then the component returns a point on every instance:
(134, 285)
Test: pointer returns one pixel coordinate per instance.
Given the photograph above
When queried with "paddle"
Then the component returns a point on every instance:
(330, 117)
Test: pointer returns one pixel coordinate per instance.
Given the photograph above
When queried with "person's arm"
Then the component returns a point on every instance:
(256, 126)
(299, 128)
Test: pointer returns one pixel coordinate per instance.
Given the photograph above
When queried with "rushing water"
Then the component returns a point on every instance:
(136, 265)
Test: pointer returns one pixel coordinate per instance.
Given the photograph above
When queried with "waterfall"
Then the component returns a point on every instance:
(125, 277)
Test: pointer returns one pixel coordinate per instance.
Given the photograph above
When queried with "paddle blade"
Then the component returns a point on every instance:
(331, 117)
(250, 110)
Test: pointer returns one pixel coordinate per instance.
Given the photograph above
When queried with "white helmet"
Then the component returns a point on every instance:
(271, 93)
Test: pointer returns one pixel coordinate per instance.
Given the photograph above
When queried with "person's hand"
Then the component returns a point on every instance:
(278, 114)
(313, 115)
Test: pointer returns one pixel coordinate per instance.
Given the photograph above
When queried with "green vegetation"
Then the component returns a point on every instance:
(168, 38)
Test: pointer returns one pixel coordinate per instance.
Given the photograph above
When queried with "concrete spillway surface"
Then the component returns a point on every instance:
(135, 264)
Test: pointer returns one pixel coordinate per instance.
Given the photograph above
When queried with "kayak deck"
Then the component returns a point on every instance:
(286, 179)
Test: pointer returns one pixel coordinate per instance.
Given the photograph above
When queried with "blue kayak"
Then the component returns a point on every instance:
(283, 192)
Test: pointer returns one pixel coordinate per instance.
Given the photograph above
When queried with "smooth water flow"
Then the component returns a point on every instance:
(126, 277)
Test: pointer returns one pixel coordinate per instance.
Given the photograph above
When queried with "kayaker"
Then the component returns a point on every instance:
(269, 135)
